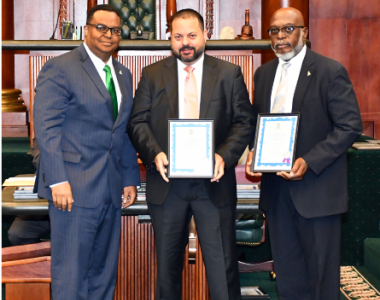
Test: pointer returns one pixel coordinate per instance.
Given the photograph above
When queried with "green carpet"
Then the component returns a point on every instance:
(372, 256)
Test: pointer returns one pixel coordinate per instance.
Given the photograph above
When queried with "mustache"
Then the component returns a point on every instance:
(186, 47)
(281, 44)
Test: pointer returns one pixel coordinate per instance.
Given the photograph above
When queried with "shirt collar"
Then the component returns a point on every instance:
(96, 60)
(197, 66)
(296, 60)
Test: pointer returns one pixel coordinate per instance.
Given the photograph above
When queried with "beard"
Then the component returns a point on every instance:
(196, 55)
(293, 52)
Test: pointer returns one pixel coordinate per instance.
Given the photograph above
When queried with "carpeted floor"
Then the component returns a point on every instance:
(373, 285)
(263, 281)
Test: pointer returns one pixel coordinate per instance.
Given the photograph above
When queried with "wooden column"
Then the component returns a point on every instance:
(171, 9)
(8, 57)
(91, 4)
(268, 7)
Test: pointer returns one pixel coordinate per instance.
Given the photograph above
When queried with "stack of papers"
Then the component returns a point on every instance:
(24, 192)
(141, 192)
(24, 187)
(20, 181)
(367, 145)
(248, 191)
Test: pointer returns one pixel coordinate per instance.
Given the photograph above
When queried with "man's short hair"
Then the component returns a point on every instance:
(186, 14)
(104, 7)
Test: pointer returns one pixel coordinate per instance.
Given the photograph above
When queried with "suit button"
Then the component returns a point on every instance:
(111, 151)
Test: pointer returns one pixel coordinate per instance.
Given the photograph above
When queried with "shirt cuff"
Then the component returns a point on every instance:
(55, 184)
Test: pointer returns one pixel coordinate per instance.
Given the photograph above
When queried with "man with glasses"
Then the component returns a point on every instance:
(82, 105)
(303, 206)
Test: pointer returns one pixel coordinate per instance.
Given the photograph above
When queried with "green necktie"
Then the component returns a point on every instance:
(111, 89)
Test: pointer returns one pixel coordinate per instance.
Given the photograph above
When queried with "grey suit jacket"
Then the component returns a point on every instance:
(224, 98)
(78, 138)
(329, 123)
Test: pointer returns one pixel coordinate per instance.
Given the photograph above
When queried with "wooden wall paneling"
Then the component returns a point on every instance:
(348, 22)
(137, 271)
(35, 65)
(30, 291)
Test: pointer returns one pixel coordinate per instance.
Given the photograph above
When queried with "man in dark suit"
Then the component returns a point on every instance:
(219, 93)
(82, 105)
(303, 206)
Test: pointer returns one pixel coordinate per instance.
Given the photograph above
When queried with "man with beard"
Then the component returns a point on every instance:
(303, 206)
(163, 93)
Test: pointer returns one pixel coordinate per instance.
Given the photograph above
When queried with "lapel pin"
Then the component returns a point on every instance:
(121, 73)
(308, 73)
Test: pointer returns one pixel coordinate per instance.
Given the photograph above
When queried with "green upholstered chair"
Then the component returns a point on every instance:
(134, 13)
(250, 231)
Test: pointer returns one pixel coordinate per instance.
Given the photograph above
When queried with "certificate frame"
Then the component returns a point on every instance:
(260, 162)
(200, 131)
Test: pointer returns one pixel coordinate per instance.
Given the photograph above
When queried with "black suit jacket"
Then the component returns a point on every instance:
(329, 123)
(224, 98)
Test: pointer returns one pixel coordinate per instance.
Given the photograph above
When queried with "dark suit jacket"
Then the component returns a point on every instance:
(329, 123)
(78, 138)
(224, 98)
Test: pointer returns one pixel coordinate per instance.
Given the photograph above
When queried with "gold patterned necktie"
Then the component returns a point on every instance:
(282, 91)
(111, 89)
(191, 95)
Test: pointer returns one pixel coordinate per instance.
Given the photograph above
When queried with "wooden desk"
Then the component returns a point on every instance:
(137, 258)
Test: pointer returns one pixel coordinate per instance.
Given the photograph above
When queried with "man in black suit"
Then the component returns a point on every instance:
(303, 206)
(223, 97)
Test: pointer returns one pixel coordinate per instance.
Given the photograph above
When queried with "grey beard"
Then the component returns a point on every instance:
(289, 55)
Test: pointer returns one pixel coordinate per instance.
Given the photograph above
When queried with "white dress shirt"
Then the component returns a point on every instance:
(99, 66)
(293, 70)
(198, 72)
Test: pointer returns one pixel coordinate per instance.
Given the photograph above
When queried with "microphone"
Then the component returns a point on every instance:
(59, 11)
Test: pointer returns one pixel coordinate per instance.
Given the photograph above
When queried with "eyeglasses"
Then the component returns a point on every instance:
(286, 30)
(104, 29)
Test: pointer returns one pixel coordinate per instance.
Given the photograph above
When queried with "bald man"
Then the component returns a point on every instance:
(303, 206)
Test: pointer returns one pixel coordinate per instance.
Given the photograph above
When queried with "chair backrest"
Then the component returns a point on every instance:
(134, 13)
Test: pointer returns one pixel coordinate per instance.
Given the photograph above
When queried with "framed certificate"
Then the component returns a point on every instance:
(191, 148)
(275, 142)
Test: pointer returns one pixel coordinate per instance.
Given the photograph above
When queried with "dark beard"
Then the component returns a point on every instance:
(197, 53)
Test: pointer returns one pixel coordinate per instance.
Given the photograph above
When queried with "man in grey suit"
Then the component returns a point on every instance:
(82, 105)
(303, 206)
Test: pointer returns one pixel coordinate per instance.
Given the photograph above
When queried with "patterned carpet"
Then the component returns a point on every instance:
(357, 283)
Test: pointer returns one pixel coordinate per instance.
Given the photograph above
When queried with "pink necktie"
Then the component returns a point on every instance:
(191, 95)
(282, 90)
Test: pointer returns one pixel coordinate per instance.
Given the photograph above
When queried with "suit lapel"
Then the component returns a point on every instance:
(208, 81)
(89, 67)
(171, 85)
(123, 89)
(307, 72)
(268, 90)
